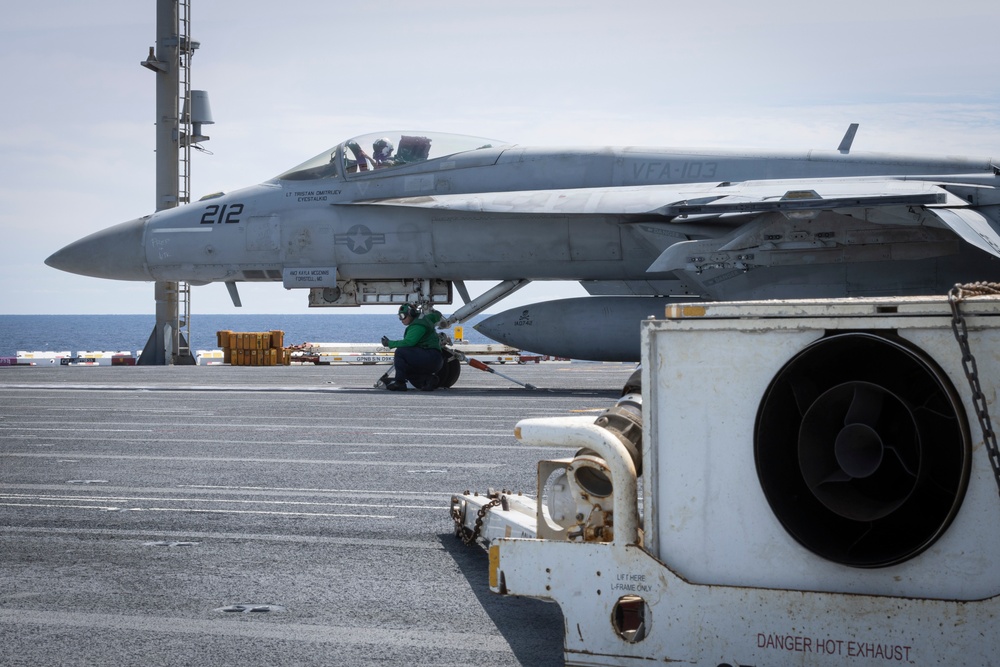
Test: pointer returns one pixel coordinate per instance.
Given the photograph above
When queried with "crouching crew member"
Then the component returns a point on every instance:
(417, 356)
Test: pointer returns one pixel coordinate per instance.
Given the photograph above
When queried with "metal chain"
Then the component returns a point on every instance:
(955, 297)
(460, 529)
(470, 536)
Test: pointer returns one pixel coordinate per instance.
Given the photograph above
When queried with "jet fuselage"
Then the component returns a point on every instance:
(362, 224)
(631, 221)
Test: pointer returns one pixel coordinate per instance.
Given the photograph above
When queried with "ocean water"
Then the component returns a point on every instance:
(75, 333)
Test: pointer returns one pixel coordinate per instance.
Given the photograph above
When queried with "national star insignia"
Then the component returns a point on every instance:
(359, 239)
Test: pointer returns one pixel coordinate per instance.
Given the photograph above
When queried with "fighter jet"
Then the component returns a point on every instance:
(394, 217)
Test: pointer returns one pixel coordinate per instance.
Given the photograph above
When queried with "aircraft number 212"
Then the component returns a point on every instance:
(216, 214)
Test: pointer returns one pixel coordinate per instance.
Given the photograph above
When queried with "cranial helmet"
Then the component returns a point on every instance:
(408, 310)
(383, 149)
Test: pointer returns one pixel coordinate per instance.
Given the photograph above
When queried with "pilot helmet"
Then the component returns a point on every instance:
(383, 149)
(408, 310)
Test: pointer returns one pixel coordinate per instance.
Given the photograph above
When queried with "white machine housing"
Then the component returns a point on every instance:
(725, 571)
(707, 511)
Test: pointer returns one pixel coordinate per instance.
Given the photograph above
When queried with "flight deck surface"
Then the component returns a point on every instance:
(284, 515)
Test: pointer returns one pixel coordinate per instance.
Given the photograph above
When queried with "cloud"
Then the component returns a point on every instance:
(289, 81)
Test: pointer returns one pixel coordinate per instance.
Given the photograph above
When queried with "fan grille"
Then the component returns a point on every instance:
(862, 449)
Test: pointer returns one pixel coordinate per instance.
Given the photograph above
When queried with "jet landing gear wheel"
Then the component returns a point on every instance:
(448, 374)
(863, 449)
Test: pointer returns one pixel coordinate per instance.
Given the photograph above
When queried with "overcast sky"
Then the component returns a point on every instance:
(288, 80)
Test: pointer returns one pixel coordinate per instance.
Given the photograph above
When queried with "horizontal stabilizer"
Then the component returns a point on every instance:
(972, 226)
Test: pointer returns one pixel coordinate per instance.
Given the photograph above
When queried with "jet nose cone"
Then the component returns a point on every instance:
(115, 253)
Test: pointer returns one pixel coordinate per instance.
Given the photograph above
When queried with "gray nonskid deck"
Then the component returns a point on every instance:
(294, 515)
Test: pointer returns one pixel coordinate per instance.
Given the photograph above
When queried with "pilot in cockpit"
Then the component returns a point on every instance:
(383, 157)
(382, 150)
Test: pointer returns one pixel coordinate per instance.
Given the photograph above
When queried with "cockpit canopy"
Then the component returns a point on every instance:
(384, 150)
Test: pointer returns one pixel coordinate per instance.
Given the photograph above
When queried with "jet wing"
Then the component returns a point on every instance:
(826, 221)
(782, 207)
(627, 200)
(680, 200)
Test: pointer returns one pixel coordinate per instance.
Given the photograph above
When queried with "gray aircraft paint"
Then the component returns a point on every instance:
(627, 222)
